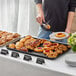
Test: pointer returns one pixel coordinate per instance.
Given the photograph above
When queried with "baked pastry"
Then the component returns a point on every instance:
(42, 41)
(55, 44)
(5, 34)
(12, 46)
(38, 49)
(28, 37)
(47, 44)
(60, 35)
(47, 48)
(48, 26)
(19, 45)
(46, 52)
(37, 42)
(15, 35)
(23, 40)
(69, 46)
(29, 43)
(9, 38)
(52, 54)
(52, 47)
(58, 51)
(63, 47)
(24, 49)
(2, 41)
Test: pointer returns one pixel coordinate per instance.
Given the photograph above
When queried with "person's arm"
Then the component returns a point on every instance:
(40, 13)
(71, 13)
(69, 21)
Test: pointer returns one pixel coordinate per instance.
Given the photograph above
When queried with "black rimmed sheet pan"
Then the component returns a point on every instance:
(31, 52)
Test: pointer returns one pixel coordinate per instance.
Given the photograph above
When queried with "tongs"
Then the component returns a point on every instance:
(46, 25)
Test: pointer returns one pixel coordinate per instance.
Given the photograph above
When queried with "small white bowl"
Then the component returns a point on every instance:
(71, 60)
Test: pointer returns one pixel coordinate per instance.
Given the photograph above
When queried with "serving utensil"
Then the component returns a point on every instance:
(46, 25)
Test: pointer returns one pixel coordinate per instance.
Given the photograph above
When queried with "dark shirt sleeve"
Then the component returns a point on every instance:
(72, 5)
(38, 1)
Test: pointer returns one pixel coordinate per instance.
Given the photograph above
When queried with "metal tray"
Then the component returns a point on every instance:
(31, 52)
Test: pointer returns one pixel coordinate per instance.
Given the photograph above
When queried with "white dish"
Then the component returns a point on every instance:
(71, 60)
(53, 35)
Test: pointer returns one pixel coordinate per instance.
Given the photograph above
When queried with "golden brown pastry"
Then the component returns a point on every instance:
(52, 54)
(9, 38)
(28, 37)
(23, 40)
(2, 41)
(58, 51)
(6, 37)
(47, 48)
(47, 52)
(37, 42)
(55, 44)
(52, 47)
(19, 45)
(12, 46)
(60, 35)
(69, 46)
(42, 41)
(24, 49)
(15, 35)
(30, 43)
(47, 44)
(38, 49)
(63, 47)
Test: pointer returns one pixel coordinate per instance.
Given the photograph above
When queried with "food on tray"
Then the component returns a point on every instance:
(23, 40)
(19, 45)
(52, 54)
(28, 37)
(58, 51)
(38, 49)
(55, 44)
(37, 42)
(47, 51)
(24, 49)
(12, 46)
(2, 41)
(30, 43)
(69, 46)
(15, 35)
(47, 44)
(48, 48)
(7, 37)
(63, 47)
(42, 41)
(60, 35)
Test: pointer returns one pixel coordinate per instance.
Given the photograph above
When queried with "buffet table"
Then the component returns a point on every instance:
(10, 66)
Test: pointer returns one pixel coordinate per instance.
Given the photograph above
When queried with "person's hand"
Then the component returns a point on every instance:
(40, 17)
(68, 30)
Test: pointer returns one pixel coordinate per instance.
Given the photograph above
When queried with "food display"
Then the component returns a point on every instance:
(6, 37)
(60, 35)
(38, 49)
(42, 47)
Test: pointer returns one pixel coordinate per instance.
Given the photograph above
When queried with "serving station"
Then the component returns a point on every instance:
(18, 61)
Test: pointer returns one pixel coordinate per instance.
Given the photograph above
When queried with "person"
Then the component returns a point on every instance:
(58, 14)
